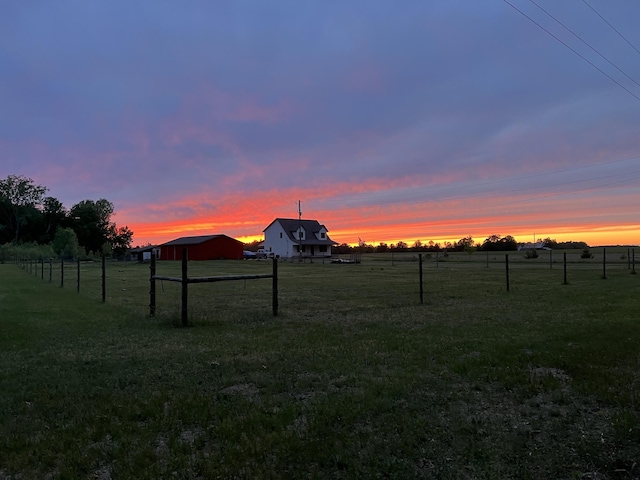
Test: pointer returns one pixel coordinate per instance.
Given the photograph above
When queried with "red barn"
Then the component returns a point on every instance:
(204, 247)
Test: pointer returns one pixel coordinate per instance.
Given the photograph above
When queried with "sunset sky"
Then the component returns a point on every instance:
(413, 120)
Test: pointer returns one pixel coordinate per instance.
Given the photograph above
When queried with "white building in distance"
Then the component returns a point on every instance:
(295, 238)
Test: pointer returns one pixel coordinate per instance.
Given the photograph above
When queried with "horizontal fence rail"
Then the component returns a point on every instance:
(378, 281)
(185, 280)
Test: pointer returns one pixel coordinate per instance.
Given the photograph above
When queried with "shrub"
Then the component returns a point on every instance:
(586, 254)
(531, 253)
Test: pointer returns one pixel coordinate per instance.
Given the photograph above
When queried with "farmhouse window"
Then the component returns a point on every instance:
(280, 234)
(323, 235)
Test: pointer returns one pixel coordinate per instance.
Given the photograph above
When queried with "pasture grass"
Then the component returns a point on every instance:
(353, 379)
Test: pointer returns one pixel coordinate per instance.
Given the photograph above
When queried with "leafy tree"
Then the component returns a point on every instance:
(464, 244)
(496, 243)
(417, 246)
(65, 243)
(341, 249)
(252, 246)
(120, 239)
(54, 215)
(550, 243)
(491, 244)
(382, 247)
(401, 246)
(92, 223)
(19, 196)
(508, 243)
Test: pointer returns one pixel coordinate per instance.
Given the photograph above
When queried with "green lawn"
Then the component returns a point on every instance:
(353, 379)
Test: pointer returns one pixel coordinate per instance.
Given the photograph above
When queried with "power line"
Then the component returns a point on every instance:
(573, 50)
(612, 27)
(587, 44)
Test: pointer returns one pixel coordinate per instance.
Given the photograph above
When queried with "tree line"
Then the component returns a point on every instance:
(493, 243)
(29, 216)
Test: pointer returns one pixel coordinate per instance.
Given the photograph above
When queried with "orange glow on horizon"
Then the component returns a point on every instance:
(245, 215)
(392, 234)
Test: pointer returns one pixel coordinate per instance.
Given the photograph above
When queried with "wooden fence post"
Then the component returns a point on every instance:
(42, 270)
(564, 282)
(420, 273)
(274, 287)
(104, 279)
(152, 289)
(604, 263)
(506, 264)
(185, 294)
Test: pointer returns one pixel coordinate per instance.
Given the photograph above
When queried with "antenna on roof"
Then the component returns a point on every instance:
(299, 231)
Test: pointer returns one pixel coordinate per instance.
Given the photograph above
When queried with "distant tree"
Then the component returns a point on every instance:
(496, 243)
(92, 223)
(508, 243)
(491, 244)
(19, 197)
(54, 215)
(65, 243)
(119, 240)
(382, 248)
(253, 246)
(572, 245)
(550, 243)
(341, 249)
(418, 246)
(464, 244)
(400, 246)
(434, 246)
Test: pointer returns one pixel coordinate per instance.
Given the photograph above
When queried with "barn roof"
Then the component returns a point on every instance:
(196, 240)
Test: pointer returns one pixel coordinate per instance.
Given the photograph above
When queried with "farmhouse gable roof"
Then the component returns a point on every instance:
(311, 227)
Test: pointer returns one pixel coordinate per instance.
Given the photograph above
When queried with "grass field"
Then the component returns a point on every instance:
(353, 379)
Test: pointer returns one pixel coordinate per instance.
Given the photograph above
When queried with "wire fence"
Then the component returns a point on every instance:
(379, 281)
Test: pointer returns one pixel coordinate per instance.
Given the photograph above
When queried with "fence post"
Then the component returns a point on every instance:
(42, 269)
(78, 286)
(274, 287)
(185, 295)
(104, 279)
(506, 264)
(604, 263)
(628, 258)
(420, 272)
(62, 272)
(152, 290)
(564, 282)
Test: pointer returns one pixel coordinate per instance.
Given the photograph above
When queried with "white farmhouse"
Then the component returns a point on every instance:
(295, 238)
